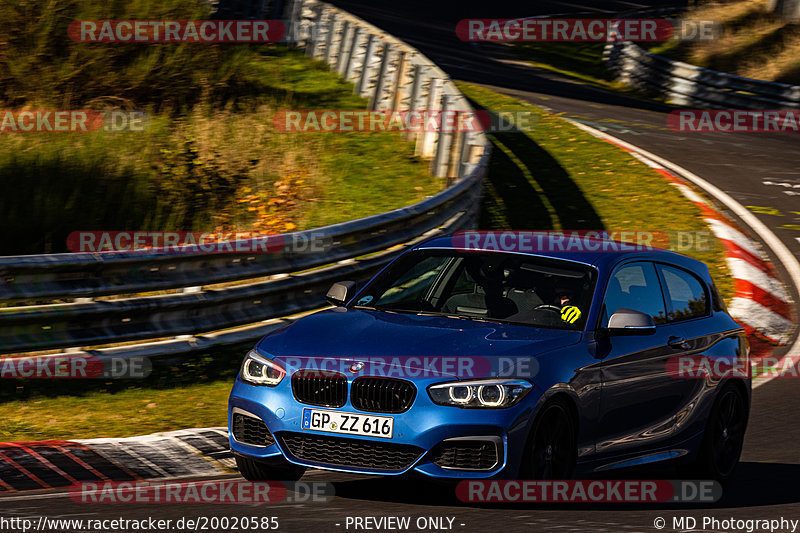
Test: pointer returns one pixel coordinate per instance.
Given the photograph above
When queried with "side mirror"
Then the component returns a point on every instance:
(630, 322)
(341, 292)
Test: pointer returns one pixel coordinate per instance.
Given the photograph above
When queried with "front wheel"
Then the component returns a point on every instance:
(253, 470)
(552, 446)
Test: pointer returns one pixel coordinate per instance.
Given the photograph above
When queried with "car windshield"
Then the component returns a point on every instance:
(496, 287)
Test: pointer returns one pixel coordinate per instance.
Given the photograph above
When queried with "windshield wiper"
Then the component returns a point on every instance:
(459, 317)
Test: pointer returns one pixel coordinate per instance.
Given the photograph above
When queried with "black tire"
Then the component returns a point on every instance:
(724, 435)
(253, 470)
(552, 449)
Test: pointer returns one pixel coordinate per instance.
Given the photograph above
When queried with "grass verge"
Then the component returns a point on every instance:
(135, 411)
(178, 394)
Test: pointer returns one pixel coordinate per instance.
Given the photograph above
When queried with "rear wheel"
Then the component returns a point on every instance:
(552, 446)
(724, 435)
(253, 470)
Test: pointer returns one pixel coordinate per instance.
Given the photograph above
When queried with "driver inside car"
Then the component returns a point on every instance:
(569, 312)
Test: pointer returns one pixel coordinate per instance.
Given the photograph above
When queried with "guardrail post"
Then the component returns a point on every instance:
(439, 167)
(399, 81)
(329, 39)
(427, 141)
(363, 82)
(413, 101)
(416, 88)
(351, 57)
(323, 30)
(454, 151)
(294, 18)
(463, 158)
(313, 33)
(380, 82)
(342, 52)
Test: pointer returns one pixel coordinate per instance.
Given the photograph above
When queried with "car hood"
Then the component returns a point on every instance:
(335, 339)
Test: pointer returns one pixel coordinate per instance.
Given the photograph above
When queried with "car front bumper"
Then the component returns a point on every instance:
(424, 426)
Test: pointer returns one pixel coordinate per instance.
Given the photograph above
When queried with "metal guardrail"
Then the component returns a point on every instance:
(689, 85)
(684, 84)
(386, 71)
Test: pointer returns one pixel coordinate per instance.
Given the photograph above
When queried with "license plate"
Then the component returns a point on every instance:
(348, 423)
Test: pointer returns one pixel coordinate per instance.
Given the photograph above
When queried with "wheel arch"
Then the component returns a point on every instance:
(562, 396)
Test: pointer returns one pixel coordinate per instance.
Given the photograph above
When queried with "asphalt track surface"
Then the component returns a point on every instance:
(766, 484)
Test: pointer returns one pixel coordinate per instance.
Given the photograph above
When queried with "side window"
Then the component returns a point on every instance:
(635, 286)
(687, 296)
(463, 282)
(413, 284)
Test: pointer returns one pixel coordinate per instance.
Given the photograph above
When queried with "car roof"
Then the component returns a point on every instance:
(611, 252)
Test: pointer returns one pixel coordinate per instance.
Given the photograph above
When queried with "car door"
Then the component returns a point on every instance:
(688, 301)
(639, 399)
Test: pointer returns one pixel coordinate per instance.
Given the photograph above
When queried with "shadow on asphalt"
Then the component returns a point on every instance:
(754, 484)
(512, 201)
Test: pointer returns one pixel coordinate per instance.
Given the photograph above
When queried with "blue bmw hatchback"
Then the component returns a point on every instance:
(470, 364)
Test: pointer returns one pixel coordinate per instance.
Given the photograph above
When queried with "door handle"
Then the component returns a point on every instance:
(678, 343)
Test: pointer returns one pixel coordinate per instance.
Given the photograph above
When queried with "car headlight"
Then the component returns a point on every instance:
(480, 393)
(258, 370)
